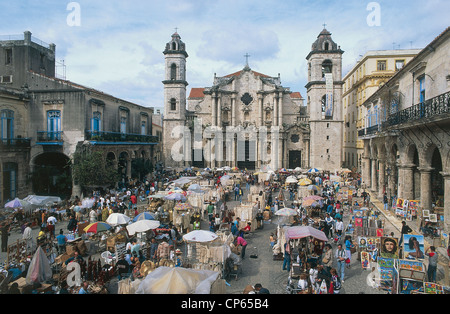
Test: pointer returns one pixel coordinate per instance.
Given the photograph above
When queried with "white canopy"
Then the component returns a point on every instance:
(117, 219)
(142, 226)
(200, 236)
(177, 280)
(42, 200)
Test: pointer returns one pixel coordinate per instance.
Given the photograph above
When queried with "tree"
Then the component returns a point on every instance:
(90, 170)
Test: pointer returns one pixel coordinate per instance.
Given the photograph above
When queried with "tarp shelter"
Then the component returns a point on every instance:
(299, 232)
(42, 200)
(177, 280)
(40, 269)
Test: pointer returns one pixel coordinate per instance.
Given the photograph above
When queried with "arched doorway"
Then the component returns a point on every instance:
(52, 175)
(437, 180)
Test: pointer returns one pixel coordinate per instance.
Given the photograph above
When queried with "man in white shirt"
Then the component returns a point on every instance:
(28, 237)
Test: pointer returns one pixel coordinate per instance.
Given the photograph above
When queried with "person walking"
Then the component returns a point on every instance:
(28, 237)
(432, 263)
(286, 259)
(341, 256)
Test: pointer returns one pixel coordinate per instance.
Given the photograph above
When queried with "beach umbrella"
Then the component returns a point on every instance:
(283, 170)
(235, 169)
(345, 170)
(182, 206)
(313, 188)
(313, 170)
(97, 227)
(17, 203)
(200, 236)
(194, 187)
(291, 179)
(144, 216)
(313, 197)
(142, 226)
(175, 197)
(298, 169)
(286, 212)
(307, 203)
(304, 182)
(117, 219)
(317, 204)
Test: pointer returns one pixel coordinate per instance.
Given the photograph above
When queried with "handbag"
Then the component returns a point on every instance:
(347, 261)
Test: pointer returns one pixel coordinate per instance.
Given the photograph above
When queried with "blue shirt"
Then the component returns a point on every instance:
(61, 239)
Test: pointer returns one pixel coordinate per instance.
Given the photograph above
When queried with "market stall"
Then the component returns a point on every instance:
(305, 246)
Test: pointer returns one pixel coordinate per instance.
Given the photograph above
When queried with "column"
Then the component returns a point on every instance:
(219, 112)
(275, 110)
(381, 178)
(261, 111)
(373, 185)
(280, 109)
(425, 187)
(408, 182)
(214, 110)
(233, 109)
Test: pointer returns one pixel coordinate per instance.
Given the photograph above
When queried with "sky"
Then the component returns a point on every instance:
(117, 46)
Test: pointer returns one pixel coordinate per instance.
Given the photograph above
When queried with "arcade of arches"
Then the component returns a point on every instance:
(51, 173)
(409, 171)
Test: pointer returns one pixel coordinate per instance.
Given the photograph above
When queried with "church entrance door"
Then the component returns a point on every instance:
(295, 159)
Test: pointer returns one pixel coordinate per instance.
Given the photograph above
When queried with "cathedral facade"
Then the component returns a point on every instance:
(248, 120)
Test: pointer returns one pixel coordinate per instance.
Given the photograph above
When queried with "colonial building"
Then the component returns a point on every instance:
(46, 119)
(407, 147)
(247, 119)
(373, 70)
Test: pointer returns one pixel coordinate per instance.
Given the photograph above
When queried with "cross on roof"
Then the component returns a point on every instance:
(324, 25)
(176, 29)
(246, 58)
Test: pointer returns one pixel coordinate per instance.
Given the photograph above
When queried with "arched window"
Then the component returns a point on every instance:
(173, 71)
(173, 104)
(327, 46)
(327, 67)
(174, 46)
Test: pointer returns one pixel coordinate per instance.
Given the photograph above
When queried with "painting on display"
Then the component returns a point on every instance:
(413, 247)
(433, 288)
(365, 260)
(358, 222)
(389, 247)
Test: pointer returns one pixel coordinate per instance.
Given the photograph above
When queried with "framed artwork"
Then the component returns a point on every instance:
(433, 217)
(426, 213)
(413, 247)
(365, 260)
(389, 247)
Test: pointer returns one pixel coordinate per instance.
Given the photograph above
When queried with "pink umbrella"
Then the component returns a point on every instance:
(298, 232)
(313, 197)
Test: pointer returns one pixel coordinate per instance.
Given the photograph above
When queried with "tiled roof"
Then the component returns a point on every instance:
(197, 93)
(296, 95)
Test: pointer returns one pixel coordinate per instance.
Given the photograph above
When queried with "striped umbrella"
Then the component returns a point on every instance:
(97, 227)
(144, 216)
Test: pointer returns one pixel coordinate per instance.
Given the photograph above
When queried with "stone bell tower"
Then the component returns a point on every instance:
(324, 101)
(174, 100)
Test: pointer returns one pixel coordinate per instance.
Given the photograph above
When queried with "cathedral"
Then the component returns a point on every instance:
(248, 120)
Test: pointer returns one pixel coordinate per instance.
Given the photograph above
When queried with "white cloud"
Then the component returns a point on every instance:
(118, 47)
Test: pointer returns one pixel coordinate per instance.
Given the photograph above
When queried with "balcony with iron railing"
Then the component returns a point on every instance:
(8, 143)
(49, 138)
(102, 137)
(435, 108)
